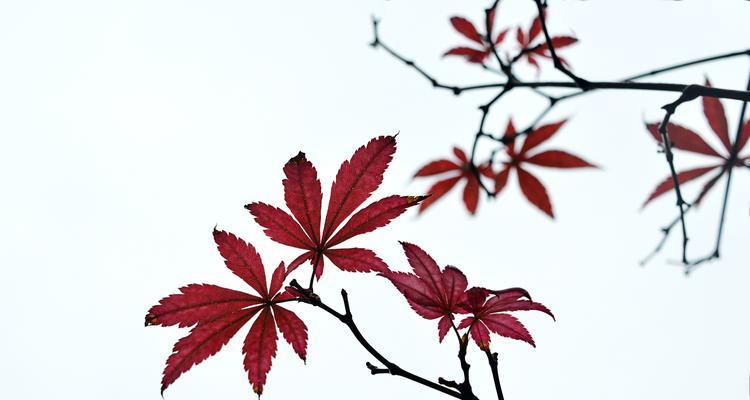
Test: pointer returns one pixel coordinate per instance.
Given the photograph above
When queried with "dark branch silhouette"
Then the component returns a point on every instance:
(582, 86)
(216, 313)
(309, 297)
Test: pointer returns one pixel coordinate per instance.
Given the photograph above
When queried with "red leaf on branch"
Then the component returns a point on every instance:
(558, 42)
(682, 177)
(501, 36)
(457, 171)
(557, 159)
(372, 217)
(260, 349)
(438, 190)
(531, 187)
(716, 117)
(242, 259)
(521, 37)
(533, 43)
(472, 55)
(203, 341)
(536, 27)
(356, 260)
(218, 314)
(534, 191)
(355, 181)
(302, 194)
(431, 292)
(198, 303)
(683, 138)
(467, 29)
(489, 313)
(744, 135)
(441, 294)
(293, 330)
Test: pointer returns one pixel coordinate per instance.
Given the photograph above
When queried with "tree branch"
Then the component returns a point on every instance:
(611, 85)
(465, 387)
(690, 93)
(492, 360)
(307, 296)
(733, 159)
(485, 109)
(687, 93)
(504, 68)
(666, 230)
(581, 83)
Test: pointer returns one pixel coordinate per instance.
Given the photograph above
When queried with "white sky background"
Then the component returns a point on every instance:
(129, 129)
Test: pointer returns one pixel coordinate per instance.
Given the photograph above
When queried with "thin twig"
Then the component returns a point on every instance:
(611, 85)
(691, 63)
(485, 109)
(732, 161)
(375, 370)
(306, 296)
(690, 93)
(670, 68)
(666, 230)
(733, 157)
(492, 360)
(505, 68)
(580, 82)
(465, 386)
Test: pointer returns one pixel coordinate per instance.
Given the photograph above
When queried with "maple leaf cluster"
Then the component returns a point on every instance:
(217, 314)
(683, 138)
(529, 45)
(451, 172)
(442, 294)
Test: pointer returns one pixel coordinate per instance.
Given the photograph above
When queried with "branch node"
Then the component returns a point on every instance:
(305, 294)
(376, 370)
(347, 310)
(376, 39)
(690, 93)
(449, 383)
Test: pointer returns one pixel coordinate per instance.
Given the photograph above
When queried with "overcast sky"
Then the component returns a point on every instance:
(130, 129)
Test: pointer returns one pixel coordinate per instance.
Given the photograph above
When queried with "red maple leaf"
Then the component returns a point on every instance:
(531, 187)
(456, 171)
(685, 139)
(355, 181)
(532, 48)
(432, 293)
(468, 30)
(489, 313)
(219, 313)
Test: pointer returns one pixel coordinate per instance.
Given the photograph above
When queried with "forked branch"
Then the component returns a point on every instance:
(306, 296)
(581, 86)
